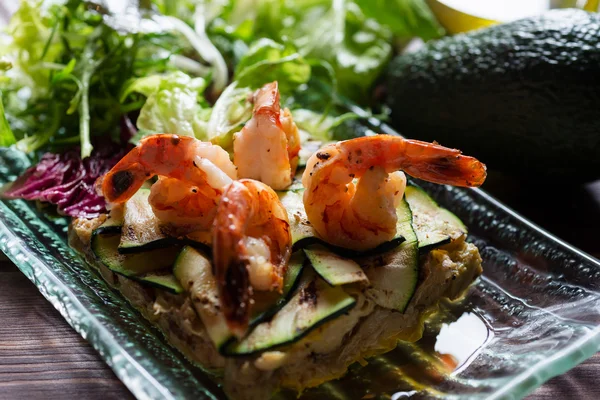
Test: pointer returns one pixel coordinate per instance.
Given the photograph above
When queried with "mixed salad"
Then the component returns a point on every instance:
(81, 81)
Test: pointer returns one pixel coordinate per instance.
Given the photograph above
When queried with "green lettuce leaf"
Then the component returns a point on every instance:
(320, 126)
(229, 113)
(405, 18)
(334, 33)
(174, 111)
(7, 137)
(339, 34)
(267, 61)
(362, 55)
(148, 85)
(174, 104)
(34, 41)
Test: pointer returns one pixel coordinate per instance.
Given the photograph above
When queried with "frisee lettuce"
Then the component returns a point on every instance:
(71, 63)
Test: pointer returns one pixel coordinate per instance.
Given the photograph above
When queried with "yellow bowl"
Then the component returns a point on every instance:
(455, 21)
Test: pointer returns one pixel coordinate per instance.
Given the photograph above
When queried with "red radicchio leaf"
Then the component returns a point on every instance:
(67, 181)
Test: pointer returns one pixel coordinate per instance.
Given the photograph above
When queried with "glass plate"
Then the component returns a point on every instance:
(534, 314)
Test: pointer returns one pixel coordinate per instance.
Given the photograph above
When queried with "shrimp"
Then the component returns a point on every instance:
(362, 215)
(267, 148)
(251, 247)
(192, 176)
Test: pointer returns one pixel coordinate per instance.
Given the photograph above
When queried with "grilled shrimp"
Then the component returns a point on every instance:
(251, 247)
(267, 148)
(192, 176)
(362, 215)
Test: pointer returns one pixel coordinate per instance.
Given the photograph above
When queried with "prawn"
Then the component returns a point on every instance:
(267, 148)
(352, 187)
(192, 176)
(251, 247)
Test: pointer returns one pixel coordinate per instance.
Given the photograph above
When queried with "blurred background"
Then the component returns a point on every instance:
(583, 202)
(537, 200)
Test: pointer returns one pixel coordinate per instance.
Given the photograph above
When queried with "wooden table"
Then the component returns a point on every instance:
(42, 357)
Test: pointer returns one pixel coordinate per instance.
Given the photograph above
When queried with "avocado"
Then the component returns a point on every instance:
(523, 97)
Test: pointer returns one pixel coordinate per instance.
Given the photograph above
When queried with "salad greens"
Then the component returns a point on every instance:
(75, 62)
(354, 37)
(68, 69)
(77, 73)
(405, 18)
(7, 136)
(174, 103)
(278, 62)
(320, 127)
(228, 114)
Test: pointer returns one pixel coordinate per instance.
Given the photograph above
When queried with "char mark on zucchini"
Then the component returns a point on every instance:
(308, 295)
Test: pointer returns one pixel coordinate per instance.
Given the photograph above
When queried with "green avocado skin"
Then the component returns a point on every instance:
(523, 97)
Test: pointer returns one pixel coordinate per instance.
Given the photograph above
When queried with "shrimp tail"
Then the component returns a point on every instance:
(428, 161)
(266, 102)
(443, 165)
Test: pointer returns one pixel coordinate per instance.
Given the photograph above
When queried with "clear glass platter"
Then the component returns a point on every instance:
(534, 314)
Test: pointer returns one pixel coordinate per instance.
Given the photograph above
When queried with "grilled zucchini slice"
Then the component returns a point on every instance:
(151, 267)
(334, 269)
(394, 275)
(194, 271)
(434, 225)
(142, 231)
(314, 303)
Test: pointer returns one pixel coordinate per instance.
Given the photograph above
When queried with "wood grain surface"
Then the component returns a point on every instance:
(41, 357)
